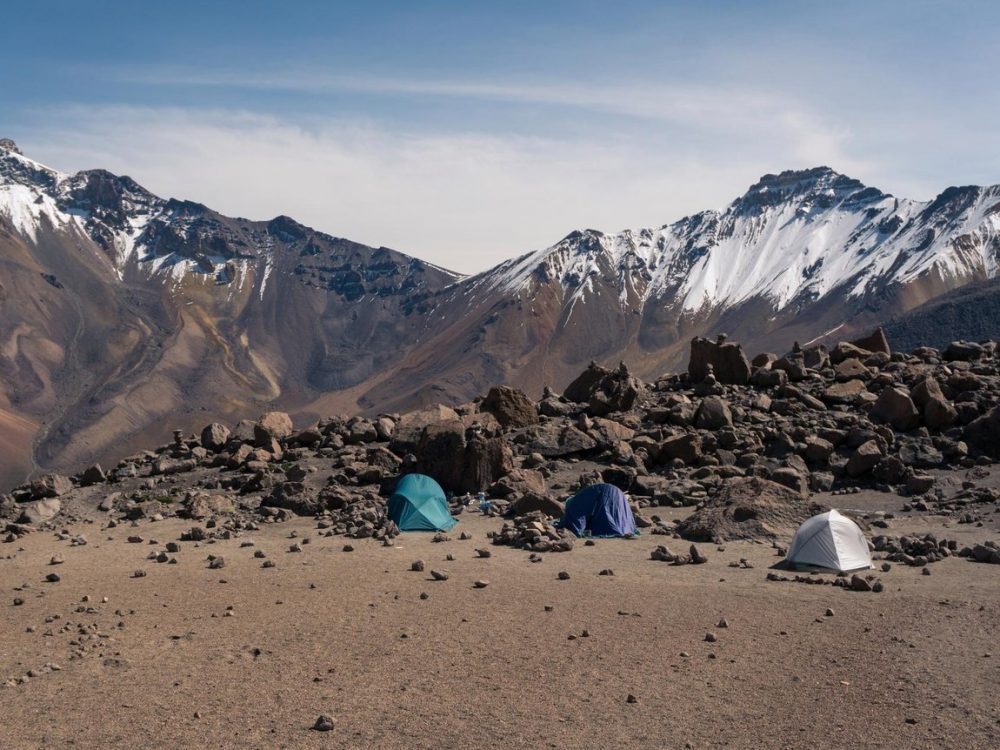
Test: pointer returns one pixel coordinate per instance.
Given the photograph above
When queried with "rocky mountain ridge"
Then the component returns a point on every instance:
(125, 314)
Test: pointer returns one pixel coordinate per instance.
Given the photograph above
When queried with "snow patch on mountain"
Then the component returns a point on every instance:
(23, 202)
(26, 208)
(797, 236)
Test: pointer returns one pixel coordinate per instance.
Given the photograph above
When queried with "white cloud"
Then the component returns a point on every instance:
(462, 200)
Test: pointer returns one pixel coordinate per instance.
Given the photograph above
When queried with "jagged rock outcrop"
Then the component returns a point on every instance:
(724, 359)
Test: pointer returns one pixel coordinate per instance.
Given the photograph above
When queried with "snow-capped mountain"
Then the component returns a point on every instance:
(124, 314)
(792, 239)
(801, 254)
(142, 232)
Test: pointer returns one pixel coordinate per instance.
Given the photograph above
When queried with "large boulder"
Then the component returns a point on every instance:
(93, 475)
(519, 482)
(816, 357)
(966, 351)
(874, 342)
(486, 459)
(925, 390)
(50, 485)
(983, 433)
(940, 414)
(410, 427)
(608, 432)
(200, 505)
(937, 410)
(713, 414)
(511, 407)
(843, 350)
(462, 459)
(725, 359)
(749, 508)
(851, 368)
(686, 447)
(586, 383)
(894, 406)
(554, 440)
(274, 425)
(294, 496)
(845, 392)
(40, 511)
(605, 391)
(864, 458)
(214, 437)
(440, 452)
(533, 502)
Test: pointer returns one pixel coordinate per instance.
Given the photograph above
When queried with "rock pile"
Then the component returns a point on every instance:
(749, 508)
(854, 583)
(693, 557)
(534, 532)
(913, 550)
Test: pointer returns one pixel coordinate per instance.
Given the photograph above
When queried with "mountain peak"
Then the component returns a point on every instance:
(821, 186)
(8, 144)
(803, 180)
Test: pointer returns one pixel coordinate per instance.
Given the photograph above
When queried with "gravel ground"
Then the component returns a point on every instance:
(347, 634)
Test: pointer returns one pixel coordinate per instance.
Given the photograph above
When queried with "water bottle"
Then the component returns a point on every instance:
(484, 504)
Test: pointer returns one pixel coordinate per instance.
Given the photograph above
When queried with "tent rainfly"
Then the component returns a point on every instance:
(601, 509)
(830, 540)
(419, 504)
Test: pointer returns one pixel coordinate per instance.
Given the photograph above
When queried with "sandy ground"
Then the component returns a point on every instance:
(160, 665)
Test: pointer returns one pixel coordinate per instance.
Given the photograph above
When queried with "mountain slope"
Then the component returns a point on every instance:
(799, 255)
(971, 313)
(124, 315)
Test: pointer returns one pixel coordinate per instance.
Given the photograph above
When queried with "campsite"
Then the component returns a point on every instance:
(686, 563)
(243, 656)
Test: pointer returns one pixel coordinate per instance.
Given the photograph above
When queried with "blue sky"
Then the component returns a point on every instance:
(467, 132)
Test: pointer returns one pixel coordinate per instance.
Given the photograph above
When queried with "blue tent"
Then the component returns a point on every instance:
(601, 509)
(419, 504)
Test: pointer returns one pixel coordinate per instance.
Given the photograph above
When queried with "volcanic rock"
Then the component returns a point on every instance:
(511, 407)
(725, 360)
(748, 508)
(274, 425)
(50, 485)
(214, 437)
(713, 414)
(895, 407)
(40, 511)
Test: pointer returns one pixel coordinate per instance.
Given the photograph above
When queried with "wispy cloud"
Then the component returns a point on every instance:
(714, 107)
(661, 101)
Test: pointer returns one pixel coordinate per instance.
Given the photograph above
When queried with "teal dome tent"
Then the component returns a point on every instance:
(419, 504)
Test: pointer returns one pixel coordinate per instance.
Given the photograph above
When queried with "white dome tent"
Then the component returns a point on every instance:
(830, 540)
